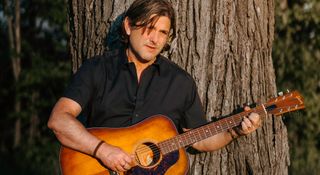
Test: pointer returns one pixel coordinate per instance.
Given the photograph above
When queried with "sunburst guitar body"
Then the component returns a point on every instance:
(142, 140)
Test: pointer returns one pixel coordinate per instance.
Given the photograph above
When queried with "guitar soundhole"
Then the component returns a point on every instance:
(147, 154)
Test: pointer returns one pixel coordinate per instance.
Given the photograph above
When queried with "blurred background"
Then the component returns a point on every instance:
(35, 68)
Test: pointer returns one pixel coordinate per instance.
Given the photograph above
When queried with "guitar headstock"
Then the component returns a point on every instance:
(288, 102)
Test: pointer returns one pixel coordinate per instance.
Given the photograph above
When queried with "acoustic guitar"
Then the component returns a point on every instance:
(156, 144)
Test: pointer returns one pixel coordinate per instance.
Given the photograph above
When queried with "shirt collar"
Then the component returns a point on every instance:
(124, 60)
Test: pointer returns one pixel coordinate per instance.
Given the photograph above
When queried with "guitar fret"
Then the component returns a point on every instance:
(197, 135)
(214, 127)
(224, 124)
(204, 132)
(176, 143)
(190, 137)
(166, 147)
(210, 132)
(218, 127)
(180, 142)
(171, 145)
(163, 147)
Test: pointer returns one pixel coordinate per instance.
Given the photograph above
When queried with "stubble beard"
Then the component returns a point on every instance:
(145, 56)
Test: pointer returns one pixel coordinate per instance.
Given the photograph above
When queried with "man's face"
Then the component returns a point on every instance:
(145, 43)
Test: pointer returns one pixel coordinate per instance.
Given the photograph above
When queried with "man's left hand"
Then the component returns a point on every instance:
(250, 124)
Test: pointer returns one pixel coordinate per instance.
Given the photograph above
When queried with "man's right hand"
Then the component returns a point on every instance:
(115, 158)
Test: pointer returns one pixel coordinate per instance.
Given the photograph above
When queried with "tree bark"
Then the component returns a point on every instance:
(89, 22)
(226, 46)
(13, 21)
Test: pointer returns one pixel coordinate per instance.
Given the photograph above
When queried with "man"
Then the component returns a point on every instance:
(124, 87)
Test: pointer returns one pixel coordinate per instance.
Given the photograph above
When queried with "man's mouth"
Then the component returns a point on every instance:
(151, 47)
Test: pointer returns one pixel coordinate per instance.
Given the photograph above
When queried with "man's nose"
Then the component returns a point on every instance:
(154, 37)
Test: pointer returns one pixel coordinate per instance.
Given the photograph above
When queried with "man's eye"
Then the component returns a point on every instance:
(164, 32)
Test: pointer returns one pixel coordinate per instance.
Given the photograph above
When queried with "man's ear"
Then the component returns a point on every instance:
(127, 26)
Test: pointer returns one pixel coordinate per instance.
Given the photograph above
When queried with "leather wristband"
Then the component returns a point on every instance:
(97, 147)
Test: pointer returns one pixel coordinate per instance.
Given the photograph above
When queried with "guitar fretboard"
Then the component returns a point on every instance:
(206, 131)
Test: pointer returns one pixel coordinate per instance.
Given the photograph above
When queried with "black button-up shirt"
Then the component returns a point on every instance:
(108, 91)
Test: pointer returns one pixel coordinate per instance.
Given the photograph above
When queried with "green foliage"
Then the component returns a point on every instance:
(37, 158)
(296, 55)
(45, 69)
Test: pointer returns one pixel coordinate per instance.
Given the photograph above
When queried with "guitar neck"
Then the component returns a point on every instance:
(279, 105)
(207, 131)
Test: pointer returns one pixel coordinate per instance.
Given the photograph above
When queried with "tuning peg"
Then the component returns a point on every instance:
(288, 91)
(280, 93)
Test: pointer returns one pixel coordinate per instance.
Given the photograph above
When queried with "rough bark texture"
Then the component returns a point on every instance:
(226, 46)
(89, 22)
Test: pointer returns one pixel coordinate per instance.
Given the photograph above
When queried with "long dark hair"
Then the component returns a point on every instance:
(140, 12)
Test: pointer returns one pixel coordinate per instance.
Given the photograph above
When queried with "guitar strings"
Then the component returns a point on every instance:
(169, 147)
(148, 149)
(157, 149)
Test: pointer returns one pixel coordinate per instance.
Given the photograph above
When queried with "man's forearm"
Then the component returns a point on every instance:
(213, 143)
(248, 125)
(69, 131)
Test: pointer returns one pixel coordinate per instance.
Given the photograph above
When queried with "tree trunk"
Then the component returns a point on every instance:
(89, 22)
(226, 46)
(13, 21)
(34, 119)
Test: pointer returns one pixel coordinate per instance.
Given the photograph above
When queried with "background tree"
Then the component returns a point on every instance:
(12, 14)
(33, 73)
(226, 46)
(297, 59)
